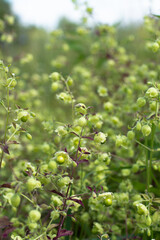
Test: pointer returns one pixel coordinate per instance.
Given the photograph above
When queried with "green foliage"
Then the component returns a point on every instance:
(80, 132)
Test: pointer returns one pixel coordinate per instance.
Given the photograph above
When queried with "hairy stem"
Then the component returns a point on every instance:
(62, 218)
(6, 124)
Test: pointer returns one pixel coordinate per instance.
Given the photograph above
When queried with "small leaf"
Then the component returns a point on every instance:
(87, 153)
(14, 125)
(56, 192)
(13, 142)
(89, 188)
(75, 134)
(77, 201)
(5, 185)
(90, 138)
(145, 196)
(79, 149)
(44, 206)
(18, 107)
(54, 225)
(82, 161)
(5, 148)
(157, 200)
(155, 15)
(65, 232)
(7, 231)
(4, 222)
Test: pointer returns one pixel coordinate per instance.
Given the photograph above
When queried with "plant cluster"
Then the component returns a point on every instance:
(80, 139)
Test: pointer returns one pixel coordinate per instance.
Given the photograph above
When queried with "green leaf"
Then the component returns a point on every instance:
(157, 200)
(155, 15)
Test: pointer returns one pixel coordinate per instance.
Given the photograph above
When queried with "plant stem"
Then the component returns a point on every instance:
(6, 125)
(40, 236)
(151, 153)
(68, 89)
(68, 190)
(13, 134)
(147, 167)
(27, 198)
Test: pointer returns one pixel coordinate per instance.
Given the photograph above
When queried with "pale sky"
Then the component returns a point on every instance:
(46, 13)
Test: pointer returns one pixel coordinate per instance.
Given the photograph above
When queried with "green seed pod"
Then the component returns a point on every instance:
(108, 106)
(28, 136)
(74, 164)
(64, 214)
(60, 159)
(73, 219)
(32, 183)
(135, 168)
(100, 137)
(152, 92)
(54, 215)
(146, 130)
(32, 226)
(15, 200)
(141, 209)
(125, 172)
(55, 76)
(119, 141)
(148, 221)
(130, 135)
(99, 124)
(138, 126)
(108, 202)
(34, 215)
(81, 108)
(52, 165)
(156, 217)
(55, 86)
(153, 106)
(23, 115)
(102, 91)
(82, 121)
(70, 81)
(33, 114)
(61, 130)
(141, 102)
(155, 47)
(148, 232)
(56, 201)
